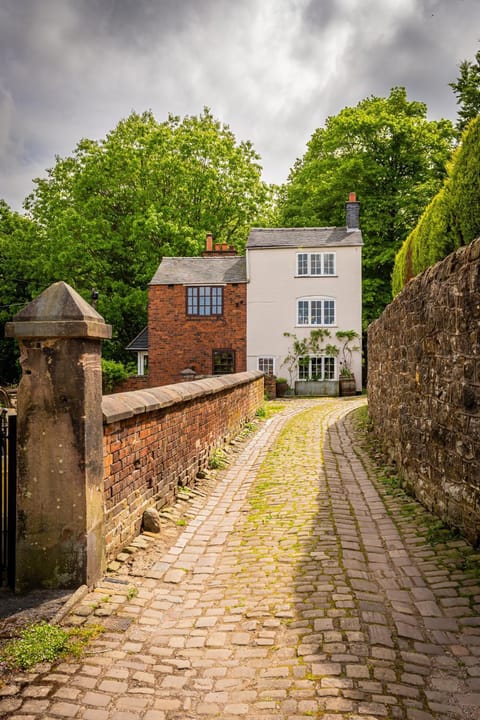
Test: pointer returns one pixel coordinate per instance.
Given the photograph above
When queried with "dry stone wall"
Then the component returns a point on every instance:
(424, 387)
(160, 438)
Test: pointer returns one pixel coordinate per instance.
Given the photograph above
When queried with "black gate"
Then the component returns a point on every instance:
(8, 454)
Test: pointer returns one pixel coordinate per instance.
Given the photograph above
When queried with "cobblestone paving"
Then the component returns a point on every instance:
(299, 589)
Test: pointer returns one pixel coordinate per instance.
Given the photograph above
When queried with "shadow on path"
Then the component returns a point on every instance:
(388, 626)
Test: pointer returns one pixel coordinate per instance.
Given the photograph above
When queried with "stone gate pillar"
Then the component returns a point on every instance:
(59, 441)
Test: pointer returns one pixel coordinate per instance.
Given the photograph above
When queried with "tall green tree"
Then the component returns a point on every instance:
(109, 213)
(16, 236)
(467, 90)
(386, 151)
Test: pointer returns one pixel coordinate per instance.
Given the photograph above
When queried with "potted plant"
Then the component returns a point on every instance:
(347, 381)
(281, 386)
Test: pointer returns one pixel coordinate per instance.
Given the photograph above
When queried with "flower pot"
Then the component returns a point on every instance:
(348, 386)
(281, 389)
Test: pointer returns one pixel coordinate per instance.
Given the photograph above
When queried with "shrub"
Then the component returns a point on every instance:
(114, 372)
(451, 219)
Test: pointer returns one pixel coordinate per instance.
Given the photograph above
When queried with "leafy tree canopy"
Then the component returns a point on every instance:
(105, 216)
(467, 90)
(386, 151)
(16, 236)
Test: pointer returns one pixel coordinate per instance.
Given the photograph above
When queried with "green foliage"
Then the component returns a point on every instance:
(45, 642)
(451, 219)
(437, 531)
(393, 157)
(261, 412)
(16, 237)
(218, 459)
(346, 338)
(301, 348)
(314, 344)
(104, 217)
(467, 90)
(114, 372)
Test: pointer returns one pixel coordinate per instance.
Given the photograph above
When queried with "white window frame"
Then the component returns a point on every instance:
(306, 261)
(271, 360)
(142, 362)
(315, 310)
(327, 363)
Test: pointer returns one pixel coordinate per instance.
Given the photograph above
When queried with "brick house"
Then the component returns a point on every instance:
(202, 319)
(197, 316)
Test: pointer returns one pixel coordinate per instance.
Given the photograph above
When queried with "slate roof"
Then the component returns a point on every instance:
(200, 270)
(140, 342)
(303, 237)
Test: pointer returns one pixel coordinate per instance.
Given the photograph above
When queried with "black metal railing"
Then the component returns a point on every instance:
(8, 454)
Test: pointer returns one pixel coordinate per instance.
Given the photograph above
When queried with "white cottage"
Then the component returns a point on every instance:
(299, 280)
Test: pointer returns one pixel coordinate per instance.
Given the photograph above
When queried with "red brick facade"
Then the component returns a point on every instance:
(178, 341)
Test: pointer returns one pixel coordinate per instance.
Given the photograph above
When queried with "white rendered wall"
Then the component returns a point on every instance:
(272, 293)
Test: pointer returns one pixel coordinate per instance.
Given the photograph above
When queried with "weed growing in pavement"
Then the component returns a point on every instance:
(218, 459)
(45, 642)
(132, 593)
(269, 408)
(471, 564)
(437, 531)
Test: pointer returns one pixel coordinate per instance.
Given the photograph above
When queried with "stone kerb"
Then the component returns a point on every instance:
(59, 441)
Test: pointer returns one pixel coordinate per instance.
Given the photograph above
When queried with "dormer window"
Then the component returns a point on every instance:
(315, 264)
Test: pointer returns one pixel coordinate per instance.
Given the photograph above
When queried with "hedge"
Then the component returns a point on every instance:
(451, 219)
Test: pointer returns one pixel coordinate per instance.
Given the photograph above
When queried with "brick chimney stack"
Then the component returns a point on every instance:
(352, 212)
(217, 250)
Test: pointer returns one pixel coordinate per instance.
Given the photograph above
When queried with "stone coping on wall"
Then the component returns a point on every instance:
(127, 404)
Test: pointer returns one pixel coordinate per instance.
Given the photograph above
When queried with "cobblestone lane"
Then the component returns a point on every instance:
(300, 589)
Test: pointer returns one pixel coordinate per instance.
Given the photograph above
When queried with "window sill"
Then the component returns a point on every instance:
(323, 327)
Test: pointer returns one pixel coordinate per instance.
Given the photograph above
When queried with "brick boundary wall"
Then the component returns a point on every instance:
(424, 387)
(160, 438)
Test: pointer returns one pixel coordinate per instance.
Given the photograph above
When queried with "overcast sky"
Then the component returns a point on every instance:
(273, 70)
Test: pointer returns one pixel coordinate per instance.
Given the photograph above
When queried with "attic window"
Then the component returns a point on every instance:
(315, 264)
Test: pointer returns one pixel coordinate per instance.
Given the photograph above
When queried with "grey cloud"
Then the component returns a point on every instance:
(273, 70)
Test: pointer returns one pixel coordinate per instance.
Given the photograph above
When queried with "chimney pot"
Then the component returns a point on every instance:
(352, 197)
(209, 242)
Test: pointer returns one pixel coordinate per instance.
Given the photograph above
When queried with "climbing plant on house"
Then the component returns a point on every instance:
(302, 349)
